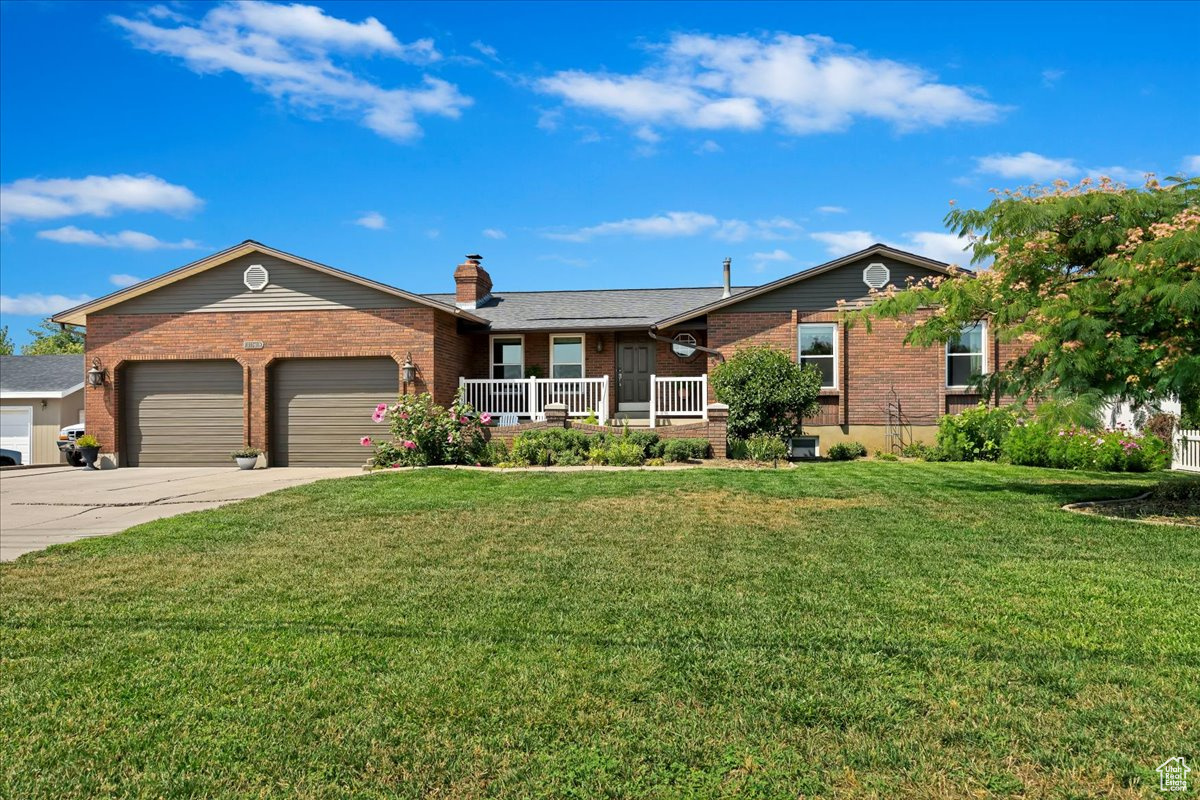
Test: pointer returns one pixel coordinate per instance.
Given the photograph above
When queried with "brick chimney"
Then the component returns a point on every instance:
(472, 284)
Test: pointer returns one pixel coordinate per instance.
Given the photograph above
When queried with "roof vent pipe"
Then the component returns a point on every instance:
(727, 292)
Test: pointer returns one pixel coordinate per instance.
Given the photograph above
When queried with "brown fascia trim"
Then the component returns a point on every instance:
(875, 249)
(77, 314)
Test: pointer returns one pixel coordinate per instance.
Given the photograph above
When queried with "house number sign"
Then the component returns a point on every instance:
(252, 345)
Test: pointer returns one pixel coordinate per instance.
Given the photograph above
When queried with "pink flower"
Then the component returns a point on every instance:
(403, 415)
(463, 420)
(450, 437)
(410, 445)
(485, 418)
(365, 441)
(377, 416)
(382, 407)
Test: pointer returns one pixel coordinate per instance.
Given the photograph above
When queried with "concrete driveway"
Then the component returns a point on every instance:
(41, 507)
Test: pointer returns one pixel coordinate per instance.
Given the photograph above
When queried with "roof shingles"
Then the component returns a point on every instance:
(51, 374)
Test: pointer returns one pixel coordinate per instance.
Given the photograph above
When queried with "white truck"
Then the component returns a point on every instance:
(66, 444)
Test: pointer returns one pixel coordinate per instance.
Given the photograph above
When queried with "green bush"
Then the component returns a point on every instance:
(922, 451)
(766, 448)
(736, 449)
(549, 446)
(493, 453)
(846, 451)
(882, 456)
(617, 452)
(685, 449)
(976, 434)
(767, 392)
(1040, 443)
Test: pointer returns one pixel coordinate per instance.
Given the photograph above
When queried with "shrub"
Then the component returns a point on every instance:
(493, 453)
(550, 446)
(685, 449)
(767, 392)
(1040, 443)
(425, 433)
(922, 451)
(882, 456)
(1162, 425)
(846, 451)
(766, 448)
(737, 450)
(617, 452)
(651, 446)
(976, 434)
(655, 462)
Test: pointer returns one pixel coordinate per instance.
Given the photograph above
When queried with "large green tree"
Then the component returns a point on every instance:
(1098, 282)
(52, 339)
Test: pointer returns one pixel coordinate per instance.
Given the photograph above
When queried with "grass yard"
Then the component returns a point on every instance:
(835, 630)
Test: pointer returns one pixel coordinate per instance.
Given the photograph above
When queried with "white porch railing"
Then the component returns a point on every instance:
(528, 397)
(1186, 451)
(678, 397)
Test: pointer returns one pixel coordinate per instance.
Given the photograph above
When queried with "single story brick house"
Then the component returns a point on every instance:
(254, 345)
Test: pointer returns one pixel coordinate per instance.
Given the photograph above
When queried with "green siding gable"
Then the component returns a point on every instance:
(823, 291)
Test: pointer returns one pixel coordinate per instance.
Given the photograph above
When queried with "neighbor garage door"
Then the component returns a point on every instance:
(16, 431)
(182, 413)
(321, 408)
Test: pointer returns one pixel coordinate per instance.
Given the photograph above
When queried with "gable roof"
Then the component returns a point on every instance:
(46, 377)
(874, 250)
(78, 314)
(586, 309)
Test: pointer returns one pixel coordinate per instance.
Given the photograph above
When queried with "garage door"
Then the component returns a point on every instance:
(321, 408)
(182, 413)
(16, 431)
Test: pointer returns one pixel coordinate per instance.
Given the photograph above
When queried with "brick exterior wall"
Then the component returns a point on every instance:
(118, 340)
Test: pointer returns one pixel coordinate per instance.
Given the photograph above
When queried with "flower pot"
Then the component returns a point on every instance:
(90, 454)
(246, 463)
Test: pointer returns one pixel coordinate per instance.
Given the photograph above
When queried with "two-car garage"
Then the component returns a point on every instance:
(192, 413)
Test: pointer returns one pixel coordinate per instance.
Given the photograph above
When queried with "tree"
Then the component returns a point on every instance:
(1100, 284)
(6, 344)
(51, 339)
(767, 392)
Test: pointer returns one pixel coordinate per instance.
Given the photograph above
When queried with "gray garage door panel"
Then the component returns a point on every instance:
(321, 408)
(182, 413)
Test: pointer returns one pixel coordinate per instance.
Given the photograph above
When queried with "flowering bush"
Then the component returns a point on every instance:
(974, 435)
(1041, 444)
(425, 433)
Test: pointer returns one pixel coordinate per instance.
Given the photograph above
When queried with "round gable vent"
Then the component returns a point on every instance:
(876, 275)
(255, 277)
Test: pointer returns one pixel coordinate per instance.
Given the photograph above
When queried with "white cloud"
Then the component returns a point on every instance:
(95, 195)
(840, 243)
(39, 305)
(647, 134)
(762, 260)
(494, 233)
(123, 280)
(940, 246)
(485, 49)
(549, 120)
(286, 51)
(373, 220)
(433, 233)
(832, 209)
(686, 223)
(800, 84)
(1051, 76)
(1191, 164)
(708, 146)
(134, 240)
(1037, 167)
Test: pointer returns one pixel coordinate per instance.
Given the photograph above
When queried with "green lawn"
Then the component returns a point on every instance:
(842, 630)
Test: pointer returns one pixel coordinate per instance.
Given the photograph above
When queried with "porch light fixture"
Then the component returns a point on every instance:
(409, 370)
(599, 345)
(96, 375)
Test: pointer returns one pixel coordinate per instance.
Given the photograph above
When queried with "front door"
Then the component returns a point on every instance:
(633, 377)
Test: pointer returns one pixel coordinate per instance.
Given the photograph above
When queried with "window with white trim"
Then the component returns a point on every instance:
(566, 356)
(966, 356)
(508, 357)
(818, 346)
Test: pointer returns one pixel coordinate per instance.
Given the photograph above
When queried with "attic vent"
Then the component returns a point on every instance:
(256, 277)
(876, 275)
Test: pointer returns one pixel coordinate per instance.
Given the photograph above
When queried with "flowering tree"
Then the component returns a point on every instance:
(425, 433)
(1100, 283)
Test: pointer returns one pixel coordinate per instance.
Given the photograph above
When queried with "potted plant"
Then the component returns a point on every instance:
(88, 447)
(246, 457)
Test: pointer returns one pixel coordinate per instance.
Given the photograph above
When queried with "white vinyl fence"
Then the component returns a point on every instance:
(1186, 451)
(678, 397)
(528, 397)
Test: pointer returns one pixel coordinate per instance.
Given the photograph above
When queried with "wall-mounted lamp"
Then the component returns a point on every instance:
(409, 370)
(96, 375)
(599, 345)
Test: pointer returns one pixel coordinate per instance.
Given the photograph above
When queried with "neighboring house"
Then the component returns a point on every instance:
(39, 395)
(254, 345)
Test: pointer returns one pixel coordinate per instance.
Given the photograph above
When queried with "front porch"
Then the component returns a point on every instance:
(513, 400)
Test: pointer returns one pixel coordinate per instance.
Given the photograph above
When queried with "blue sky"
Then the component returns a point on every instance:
(573, 145)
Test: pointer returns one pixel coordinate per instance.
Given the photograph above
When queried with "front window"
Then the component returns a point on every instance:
(508, 357)
(965, 356)
(566, 356)
(818, 346)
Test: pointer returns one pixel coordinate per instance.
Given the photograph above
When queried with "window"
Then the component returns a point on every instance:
(508, 357)
(566, 356)
(818, 346)
(966, 356)
(806, 447)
